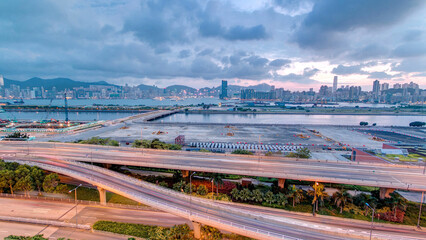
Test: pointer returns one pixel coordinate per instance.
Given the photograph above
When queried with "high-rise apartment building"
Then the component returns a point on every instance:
(1, 81)
(224, 91)
(335, 84)
(376, 87)
(385, 86)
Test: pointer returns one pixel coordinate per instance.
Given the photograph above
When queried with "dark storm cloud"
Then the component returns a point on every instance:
(329, 19)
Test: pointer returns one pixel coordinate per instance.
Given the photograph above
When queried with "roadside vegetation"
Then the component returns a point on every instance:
(155, 144)
(242, 151)
(182, 231)
(99, 141)
(15, 177)
(293, 198)
(300, 153)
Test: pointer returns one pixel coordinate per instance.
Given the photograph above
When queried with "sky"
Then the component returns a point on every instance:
(294, 44)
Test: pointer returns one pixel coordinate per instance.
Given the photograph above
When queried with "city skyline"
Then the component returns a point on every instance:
(282, 43)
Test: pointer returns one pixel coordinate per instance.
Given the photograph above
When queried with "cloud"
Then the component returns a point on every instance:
(325, 25)
(382, 75)
(210, 28)
(347, 70)
(184, 53)
(304, 78)
(411, 49)
(411, 65)
(279, 63)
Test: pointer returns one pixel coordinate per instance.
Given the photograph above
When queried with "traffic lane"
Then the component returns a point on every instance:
(20, 229)
(149, 153)
(71, 233)
(323, 171)
(33, 209)
(358, 225)
(89, 215)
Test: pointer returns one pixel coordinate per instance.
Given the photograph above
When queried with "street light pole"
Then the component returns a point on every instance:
(190, 192)
(372, 219)
(315, 199)
(420, 211)
(75, 199)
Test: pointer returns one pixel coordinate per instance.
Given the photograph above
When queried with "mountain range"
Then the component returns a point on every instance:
(66, 83)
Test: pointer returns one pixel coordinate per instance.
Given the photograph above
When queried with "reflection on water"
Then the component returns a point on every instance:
(380, 120)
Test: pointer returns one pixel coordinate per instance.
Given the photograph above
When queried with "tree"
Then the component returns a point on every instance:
(242, 151)
(235, 193)
(179, 186)
(25, 184)
(270, 197)
(295, 194)
(245, 195)
(9, 178)
(38, 177)
(341, 197)
(50, 182)
(257, 195)
(281, 199)
(61, 188)
(22, 171)
(163, 184)
(300, 153)
(396, 201)
(318, 194)
(202, 190)
(363, 123)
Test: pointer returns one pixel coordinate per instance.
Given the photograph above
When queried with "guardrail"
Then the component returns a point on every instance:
(72, 200)
(44, 222)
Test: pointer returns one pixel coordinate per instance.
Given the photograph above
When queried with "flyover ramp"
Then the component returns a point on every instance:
(404, 177)
(260, 226)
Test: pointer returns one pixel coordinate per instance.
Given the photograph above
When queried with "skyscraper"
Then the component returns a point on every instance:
(1, 81)
(224, 91)
(335, 84)
(376, 87)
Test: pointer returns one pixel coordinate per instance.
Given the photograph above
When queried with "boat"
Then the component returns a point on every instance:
(20, 101)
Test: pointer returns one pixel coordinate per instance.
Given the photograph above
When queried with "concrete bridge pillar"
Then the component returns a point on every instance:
(185, 173)
(102, 195)
(384, 192)
(281, 182)
(197, 230)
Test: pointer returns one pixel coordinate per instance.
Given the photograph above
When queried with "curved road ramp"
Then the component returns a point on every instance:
(199, 210)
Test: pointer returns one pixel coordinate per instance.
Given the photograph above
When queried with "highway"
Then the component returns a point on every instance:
(404, 177)
(260, 225)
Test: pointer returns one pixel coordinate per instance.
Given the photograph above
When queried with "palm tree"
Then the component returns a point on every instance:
(270, 197)
(257, 195)
(296, 194)
(235, 193)
(245, 194)
(317, 193)
(281, 199)
(341, 197)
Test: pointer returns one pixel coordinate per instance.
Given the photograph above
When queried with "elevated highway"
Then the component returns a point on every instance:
(202, 211)
(404, 177)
